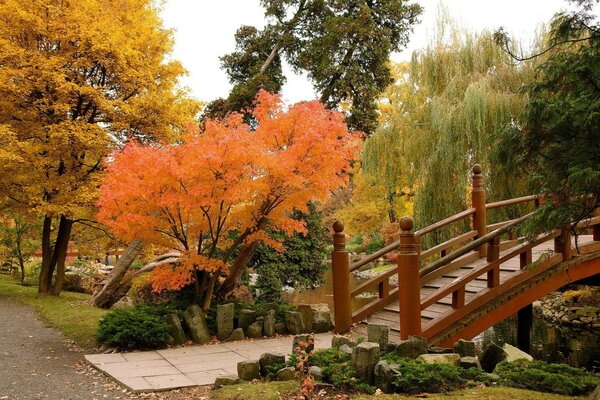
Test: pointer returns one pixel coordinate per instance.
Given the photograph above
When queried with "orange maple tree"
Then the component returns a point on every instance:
(213, 196)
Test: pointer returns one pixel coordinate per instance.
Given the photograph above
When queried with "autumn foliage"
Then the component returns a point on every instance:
(213, 196)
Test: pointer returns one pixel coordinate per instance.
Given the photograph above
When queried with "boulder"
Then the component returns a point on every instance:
(412, 348)
(322, 320)
(226, 380)
(196, 323)
(280, 328)
(269, 323)
(316, 373)
(514, 354)
(469, 362)
(339, 340)
(439, 350)
(286, 374)
(494, 355)
(255, 330)
(267, 360)
(293, 322)
(237, 334)
(225, 317)
(452, 359)
(246, 318)
(384, 376)
(364, 358)
(306, 314)
(377, 333)
(248, 370)
(345, 349)
(177, 332)
(465, 348)
(304, 342)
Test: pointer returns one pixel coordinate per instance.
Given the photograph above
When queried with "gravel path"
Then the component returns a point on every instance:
(37, 362)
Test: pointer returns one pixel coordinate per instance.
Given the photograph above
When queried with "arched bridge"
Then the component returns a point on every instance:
(460, 287)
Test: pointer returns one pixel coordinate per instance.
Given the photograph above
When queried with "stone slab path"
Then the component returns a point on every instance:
(189, 366)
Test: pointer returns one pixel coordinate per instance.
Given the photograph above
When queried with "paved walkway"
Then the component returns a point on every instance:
(188, 366)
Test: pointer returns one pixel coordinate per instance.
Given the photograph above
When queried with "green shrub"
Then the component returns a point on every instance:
(548, 378)
(337, 369)
(139, 327)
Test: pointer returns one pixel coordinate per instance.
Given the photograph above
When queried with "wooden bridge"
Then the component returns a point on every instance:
(459, 288)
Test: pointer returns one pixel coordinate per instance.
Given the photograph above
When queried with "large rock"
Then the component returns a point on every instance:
(255, 330)
(315, 317)
(226, 380)
(494, 355)
(306, 314)
(364, 358)
(248, 370)
(269, 323)
(412, 348)
(267, 360)
(280, 328)
(237, 334)
(177, 332)
(196, 323)
(384, 376)
(246, 318)
(465, 348)
(303, 342)
(345, 349)
(293, 322)
(377, 333)
(340, 340)
(452, 359)
(225, 317)
(469, 362)
(286, 374)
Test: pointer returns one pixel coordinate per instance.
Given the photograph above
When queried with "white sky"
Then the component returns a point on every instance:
(204, 31)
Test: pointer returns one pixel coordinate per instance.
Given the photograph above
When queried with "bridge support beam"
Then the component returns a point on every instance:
(478, 200)
(409, 292)
(340, 271)
(524, 326)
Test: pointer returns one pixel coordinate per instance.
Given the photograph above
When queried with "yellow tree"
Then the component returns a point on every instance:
(77, 79)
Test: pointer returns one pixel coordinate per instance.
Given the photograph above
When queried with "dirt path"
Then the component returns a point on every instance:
(37, 362)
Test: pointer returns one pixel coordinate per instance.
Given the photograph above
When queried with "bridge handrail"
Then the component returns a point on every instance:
(511, 202)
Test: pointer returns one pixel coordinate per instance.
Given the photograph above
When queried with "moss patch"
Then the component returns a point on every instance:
(256, 391)
(70, 312)
(491, 393)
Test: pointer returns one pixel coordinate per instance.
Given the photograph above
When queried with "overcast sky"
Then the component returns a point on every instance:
(204, 31)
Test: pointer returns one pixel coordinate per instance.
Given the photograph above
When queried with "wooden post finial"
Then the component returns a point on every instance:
(477, 169)
(338, 227)
(406, 224)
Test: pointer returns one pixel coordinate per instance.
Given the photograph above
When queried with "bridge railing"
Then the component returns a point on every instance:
(412, 264)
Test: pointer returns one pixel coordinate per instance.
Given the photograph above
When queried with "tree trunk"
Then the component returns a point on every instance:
(109, 294)
(237, 268)
(60, 252)
(45, 276)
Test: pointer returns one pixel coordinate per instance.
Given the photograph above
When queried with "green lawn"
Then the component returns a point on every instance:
(69, 312)
(278, 390)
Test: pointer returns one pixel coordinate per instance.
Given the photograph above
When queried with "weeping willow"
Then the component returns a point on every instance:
(443, 115)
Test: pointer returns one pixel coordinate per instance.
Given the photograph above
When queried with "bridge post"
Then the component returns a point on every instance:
(478, 203)
(493, 275)
(409, 293)
(340, 271)
(562, 244)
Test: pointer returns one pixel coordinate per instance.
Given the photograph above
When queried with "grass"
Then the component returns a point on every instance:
(70, 312)
(283, 390)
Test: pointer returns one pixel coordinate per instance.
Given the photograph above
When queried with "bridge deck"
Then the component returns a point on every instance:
(389, 315)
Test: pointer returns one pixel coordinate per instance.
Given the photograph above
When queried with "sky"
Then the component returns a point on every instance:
(204, 31)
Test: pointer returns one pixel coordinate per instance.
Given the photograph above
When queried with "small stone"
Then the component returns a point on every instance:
(364, 358)
(176, 333)
(255, 330)
(246, 318)
(237, 334)
(303, 342)
(384, 376)
(248, 370)
(269, 323)
(226, 380)
(377, 333)
(339, 340)
(267, 360)
(345, 349)
(196, 322)
(452, 359)
(493, 377)
(412, 348)
(286, 374)
(391, 347)
(293, 322)
(316, 373)
(469, 362)
(225, 316)
(280, 328)
(439, 350)
(465, 348)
